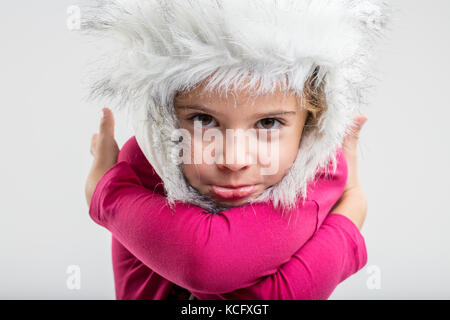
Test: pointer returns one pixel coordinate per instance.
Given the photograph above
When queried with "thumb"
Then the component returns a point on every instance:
(360, 120)
(350, 148)
(107, 124)
(351, 139)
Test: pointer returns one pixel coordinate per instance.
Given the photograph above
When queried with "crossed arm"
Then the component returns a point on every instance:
(248, 251)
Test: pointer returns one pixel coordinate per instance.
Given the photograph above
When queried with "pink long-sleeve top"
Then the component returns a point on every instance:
(247, 252)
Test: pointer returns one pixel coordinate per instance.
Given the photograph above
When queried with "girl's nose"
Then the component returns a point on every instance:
(239, 156)
(233, 166)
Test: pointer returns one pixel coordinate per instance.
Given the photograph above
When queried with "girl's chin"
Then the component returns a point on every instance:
(233, 203)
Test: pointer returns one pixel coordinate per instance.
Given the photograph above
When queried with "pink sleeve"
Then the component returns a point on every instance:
(325, 190)
(324, 193)
(133, 280)
(335, 252)
(175, 244)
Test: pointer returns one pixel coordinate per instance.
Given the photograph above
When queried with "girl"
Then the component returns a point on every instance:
(303, 66)
(334, 252)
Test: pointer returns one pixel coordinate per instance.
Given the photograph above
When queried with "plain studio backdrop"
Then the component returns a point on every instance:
(47, 236)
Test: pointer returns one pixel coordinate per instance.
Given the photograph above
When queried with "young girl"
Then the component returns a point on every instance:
(258, 257)
(300, 65)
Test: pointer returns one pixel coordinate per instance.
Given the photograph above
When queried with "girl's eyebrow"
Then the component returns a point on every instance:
(196, 107)
(206, 110)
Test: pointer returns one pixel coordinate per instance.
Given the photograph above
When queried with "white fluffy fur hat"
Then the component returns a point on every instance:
(156, 48)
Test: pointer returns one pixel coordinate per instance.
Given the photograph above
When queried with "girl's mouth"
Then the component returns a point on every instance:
(233, 193)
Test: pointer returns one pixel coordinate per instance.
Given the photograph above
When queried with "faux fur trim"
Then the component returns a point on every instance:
(155, 48)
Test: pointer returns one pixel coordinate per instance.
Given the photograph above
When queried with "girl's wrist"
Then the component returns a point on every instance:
(353, 205)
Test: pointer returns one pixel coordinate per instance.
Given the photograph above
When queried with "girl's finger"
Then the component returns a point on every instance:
(94, 143)
(107, 124)
(355, 129)
(350, 144)
(350, 148)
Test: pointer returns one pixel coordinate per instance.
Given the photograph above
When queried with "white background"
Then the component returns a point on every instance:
(46, 127)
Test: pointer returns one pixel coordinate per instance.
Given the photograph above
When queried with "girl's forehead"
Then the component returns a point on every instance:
(235, 98)
(245, 88)
(239, 108)
(238, 96)
(241, 96)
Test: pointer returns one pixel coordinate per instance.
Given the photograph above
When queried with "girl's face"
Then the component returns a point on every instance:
(273, 112)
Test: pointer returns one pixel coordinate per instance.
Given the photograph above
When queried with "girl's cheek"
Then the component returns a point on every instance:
(271, 154)
(282, 158)
(193, 174)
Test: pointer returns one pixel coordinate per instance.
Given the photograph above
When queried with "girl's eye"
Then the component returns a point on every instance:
(268, 123)
(204, 119)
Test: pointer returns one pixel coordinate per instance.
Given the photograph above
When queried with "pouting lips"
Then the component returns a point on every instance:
(233, 193)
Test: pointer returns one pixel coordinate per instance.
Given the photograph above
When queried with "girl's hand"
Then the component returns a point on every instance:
(353, 202)
(350, 150)
(105, 150)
